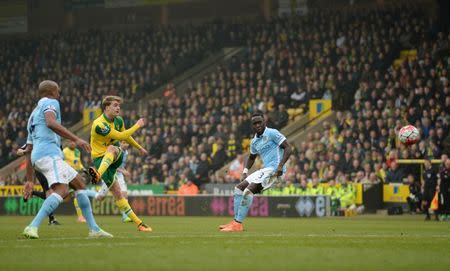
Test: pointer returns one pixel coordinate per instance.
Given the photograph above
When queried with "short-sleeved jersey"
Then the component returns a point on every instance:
(267, 146)
(45, 141)
(73, 158)
(100, 129)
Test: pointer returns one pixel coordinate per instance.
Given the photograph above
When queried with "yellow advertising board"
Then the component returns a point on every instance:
(359, 193)
(395, 193)
(317, 107)
(90, 114)
(15, 190)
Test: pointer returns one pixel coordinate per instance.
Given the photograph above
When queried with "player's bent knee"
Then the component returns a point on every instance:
(254, 188)
(78, 183)
(112, 149)
(247, 192)
(115, 190)
(242, 185)
(60, 189)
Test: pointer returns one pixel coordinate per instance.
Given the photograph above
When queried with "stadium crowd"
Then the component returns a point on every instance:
(287, 61)
(88, 66)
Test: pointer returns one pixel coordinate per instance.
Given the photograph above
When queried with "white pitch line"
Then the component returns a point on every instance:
(235, 235)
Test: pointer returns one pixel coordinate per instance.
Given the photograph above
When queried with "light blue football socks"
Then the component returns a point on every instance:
(91, 193)
(246, 204)
(85, 206)
(237, 201)
(49, 206)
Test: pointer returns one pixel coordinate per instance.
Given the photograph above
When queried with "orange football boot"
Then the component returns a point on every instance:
(225, 225)
(95, 176)
(234, 226)
(144, 227)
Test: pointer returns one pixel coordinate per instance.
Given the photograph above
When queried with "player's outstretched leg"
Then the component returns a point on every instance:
(48, 207)
(90, 194)
(125, 207)
(51, 218)
(124, 191)
(238, 193)
(43, 195)
(246, 204)
(85, 206)
(110, 154)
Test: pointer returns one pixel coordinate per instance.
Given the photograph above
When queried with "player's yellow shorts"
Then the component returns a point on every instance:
(110, 174)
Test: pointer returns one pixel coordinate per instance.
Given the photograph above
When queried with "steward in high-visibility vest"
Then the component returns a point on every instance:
(333, 191)
(289, 189)
(347, 194)
(316, 188)
(302, 190)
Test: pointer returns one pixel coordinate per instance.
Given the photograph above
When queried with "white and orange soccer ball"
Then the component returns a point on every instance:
(408, 135)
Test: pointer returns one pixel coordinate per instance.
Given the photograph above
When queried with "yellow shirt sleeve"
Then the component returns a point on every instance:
(109, 133)
(131, 140)
(133, 143)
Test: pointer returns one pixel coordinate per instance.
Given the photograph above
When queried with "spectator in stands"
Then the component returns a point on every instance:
(342, 64)
(88, 71)
(394, 174)
(218, 157)
(188, 187)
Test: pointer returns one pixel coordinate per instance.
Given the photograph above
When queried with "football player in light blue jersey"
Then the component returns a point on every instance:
(44, 131)
(274, 150)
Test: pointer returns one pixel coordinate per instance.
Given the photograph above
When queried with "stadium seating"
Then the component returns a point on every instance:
(349, 58)
(88, 66)
(295, 55)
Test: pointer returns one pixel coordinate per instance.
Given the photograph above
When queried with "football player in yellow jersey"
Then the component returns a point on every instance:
(72, 156)
(106, 133)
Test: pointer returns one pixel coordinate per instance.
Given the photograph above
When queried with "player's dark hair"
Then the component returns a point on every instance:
(258, 114)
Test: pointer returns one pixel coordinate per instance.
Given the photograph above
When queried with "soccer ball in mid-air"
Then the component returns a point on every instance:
(408, 135)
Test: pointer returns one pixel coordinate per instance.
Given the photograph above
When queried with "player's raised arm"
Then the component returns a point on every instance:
(114, 134)
(130, 140)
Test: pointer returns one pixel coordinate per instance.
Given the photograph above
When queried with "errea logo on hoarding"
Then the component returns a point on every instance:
(305, 206)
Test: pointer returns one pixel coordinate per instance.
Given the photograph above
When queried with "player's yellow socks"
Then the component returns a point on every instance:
(106, 162)
(125, 207)
(77, 208)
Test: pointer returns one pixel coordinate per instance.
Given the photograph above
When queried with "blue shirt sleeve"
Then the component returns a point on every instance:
(51, 105)
(252, 148)
(276, 137)
(29, 139)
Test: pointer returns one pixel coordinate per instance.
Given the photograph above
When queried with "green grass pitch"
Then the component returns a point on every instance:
(194, 243)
